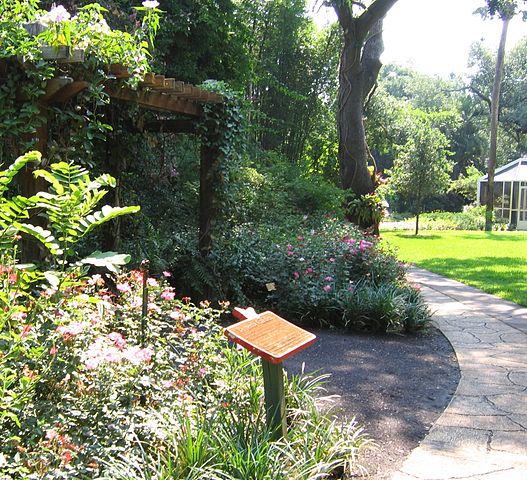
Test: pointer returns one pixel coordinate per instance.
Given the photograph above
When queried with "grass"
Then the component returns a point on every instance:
(495, 262)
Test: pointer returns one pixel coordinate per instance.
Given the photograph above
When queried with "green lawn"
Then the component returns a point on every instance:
(495, 262)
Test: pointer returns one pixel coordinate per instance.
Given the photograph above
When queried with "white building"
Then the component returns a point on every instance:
(510, 193)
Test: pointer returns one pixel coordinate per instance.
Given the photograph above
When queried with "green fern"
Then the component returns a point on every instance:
(16, 209)
(71, 202)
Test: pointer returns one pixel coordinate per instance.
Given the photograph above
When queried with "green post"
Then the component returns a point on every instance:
(274, 399)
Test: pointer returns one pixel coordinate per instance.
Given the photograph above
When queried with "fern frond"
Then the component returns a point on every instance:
(6, 176)
(107, 213)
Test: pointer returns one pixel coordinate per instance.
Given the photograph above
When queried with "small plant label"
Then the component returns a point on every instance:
(270, 337)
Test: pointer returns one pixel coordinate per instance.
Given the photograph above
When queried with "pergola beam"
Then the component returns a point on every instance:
(155, 101)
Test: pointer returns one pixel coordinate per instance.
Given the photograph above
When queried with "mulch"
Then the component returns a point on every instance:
(396, 386)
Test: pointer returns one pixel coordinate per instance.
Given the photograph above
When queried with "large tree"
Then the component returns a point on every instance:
(361, 24)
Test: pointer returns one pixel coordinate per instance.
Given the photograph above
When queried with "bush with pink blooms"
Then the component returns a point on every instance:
(316, 271)
(333, 275)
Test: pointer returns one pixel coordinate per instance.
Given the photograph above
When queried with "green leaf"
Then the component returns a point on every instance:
(43, 236)
(109, 260)
(104, 215)
(52, 279)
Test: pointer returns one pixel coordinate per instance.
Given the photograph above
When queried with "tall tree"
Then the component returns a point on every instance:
(361, 24)
(505, 10)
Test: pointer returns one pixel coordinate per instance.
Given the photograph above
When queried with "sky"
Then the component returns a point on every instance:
(434, 36)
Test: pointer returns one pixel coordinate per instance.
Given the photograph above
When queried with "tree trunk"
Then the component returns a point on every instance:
(494, 113)
(416, 225)
(358, 71)
(359, 67)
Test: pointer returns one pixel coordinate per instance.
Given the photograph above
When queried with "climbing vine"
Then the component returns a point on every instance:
(223, 129)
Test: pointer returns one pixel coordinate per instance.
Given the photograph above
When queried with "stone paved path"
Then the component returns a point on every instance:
(482, 435)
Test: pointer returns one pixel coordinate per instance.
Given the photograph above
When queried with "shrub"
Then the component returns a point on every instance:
(384, 308)
(182, 404)
(313, 273)
(472, 218)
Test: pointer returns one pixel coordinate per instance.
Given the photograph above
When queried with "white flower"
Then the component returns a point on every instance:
(55, 15)
(150, 4)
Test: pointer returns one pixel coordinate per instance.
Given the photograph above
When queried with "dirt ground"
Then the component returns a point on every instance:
(395, 386)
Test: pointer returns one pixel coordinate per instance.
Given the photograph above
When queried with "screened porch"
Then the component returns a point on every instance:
(510, 193)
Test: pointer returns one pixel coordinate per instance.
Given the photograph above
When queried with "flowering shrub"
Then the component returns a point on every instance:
(94, 369)
(312, 273)
(97, 394)
(327, 273)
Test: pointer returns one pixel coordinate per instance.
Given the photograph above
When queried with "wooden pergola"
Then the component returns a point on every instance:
(157, 93)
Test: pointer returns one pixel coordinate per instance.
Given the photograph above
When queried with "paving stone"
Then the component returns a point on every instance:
(425, 464)
(518, 378)
(476, 387)
(451, 439)
(476, 405)
(478, 422)
(513, 403)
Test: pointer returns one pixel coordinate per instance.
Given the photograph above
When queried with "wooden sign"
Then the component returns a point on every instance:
(270, 336)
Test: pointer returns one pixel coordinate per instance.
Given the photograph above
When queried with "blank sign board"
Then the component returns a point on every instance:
(270, 336)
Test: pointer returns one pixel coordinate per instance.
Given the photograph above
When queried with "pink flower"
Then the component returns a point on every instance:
(176, 315)
(167, 295)
(202, 372)
(124, 287)
(289, 252)
(167, 274)
(51, 434)
(137, 355)
(152, 282)
(363, 245)
(167, 384)
(332, 260)
(117, 339)
(57, 14)
(309, 270)
(67, 456)
(300, 237)
(152, 307)
(111, 355)
(92, 363)
(25, 330)
(53, 350)
(290, 247)
(296, 275)
(96, 280)
(328, 278)
(327, 288)
(68, 331)
(19, 316)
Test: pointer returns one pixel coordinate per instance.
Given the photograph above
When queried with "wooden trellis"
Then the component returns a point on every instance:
(157, 93)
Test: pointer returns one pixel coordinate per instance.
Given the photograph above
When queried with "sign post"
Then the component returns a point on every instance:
(273, 339)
